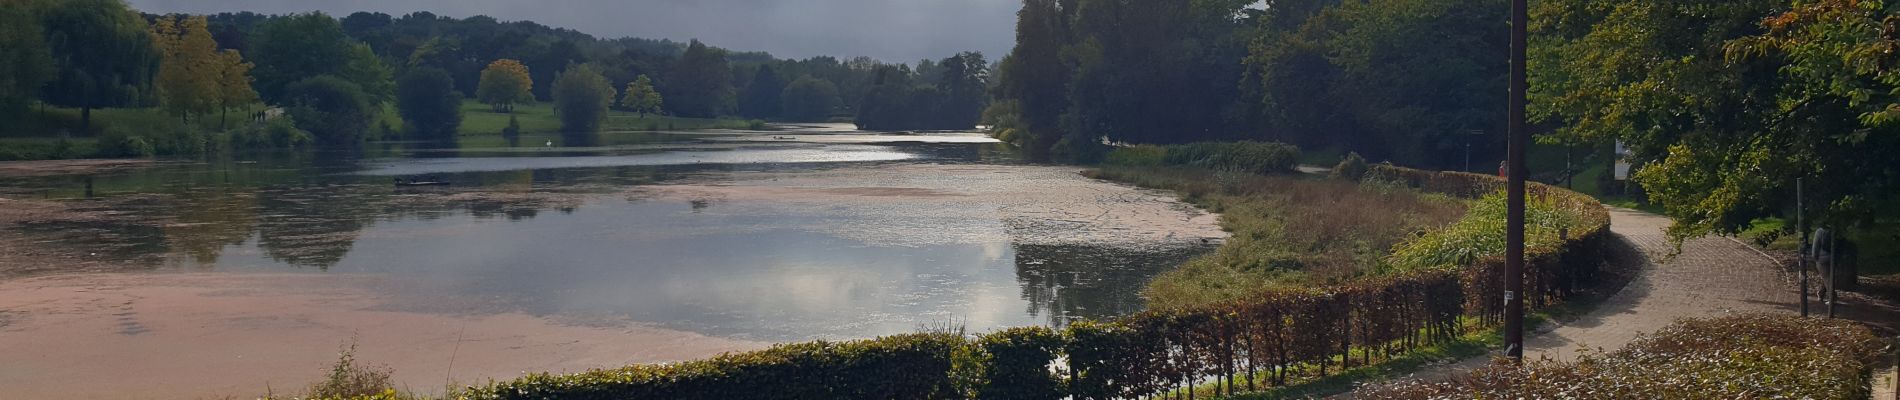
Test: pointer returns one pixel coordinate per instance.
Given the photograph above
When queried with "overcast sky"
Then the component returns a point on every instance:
(890, 30)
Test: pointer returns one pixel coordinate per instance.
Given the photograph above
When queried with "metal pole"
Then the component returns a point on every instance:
(1801, 225)
(1514, 223)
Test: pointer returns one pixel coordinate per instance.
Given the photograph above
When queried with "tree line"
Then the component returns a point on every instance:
(332, 77)
(1723, 104)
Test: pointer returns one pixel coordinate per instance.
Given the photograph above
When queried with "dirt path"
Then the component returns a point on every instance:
(1711, 276)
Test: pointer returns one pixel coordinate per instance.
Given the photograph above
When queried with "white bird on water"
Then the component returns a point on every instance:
(550, 143)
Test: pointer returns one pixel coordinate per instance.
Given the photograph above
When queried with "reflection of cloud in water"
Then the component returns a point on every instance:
(746, 156)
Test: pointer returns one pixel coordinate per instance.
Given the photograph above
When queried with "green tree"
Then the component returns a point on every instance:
(296, 47)
(430, 107)
(102, 56)
(189, 66)
(368, 71)
(506, 83)
(965, 81)
(332, 109)
(234, 83)
(25, 61)
(810, 99)
(581, 96)
(640, 97)
(701, 83)
(1034, 76)
(762, 96)
(1709, 132)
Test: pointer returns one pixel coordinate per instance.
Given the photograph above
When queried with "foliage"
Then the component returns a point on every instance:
(102, 56)
(1743, 356)
(336, 112)
(1014, 364)
(429, 105)
(275, 133)
(1351, 168)
(25, 61)
(297, 47)
(1262, 158)
(1155, 71)
(1332, 82)
(915, 366)
(640, 97)
(189, 69)
(1141, 155)
(764, 95)
(1480, 234)
(581, 97)
(349, 380)
(809, 99)
(700, 85)
(504, 84)
(955, 102)
(1034, 78)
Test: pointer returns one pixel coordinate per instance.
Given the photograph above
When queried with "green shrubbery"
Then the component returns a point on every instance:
(1737, 357)
(915, 366)
(1264, 158)
(1351, 168)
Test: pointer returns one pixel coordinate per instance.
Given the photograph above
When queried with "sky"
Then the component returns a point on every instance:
(889, 30)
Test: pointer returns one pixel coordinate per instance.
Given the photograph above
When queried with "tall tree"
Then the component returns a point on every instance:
(234, 83)
(810, 99)
(102, 56)
(506, 83)
(367, 70)
(964, 80)
(25, 61)
(189, 70)
(581, 96)
(1034, 76)
(762, 96)
(641, 97)
(431, 109)
(297, 47)
(700, 85)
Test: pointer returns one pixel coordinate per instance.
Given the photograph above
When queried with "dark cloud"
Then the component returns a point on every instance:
(891, 30)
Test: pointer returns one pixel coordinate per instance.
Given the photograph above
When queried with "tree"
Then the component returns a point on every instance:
(368, 71)
(701, 83)
(810, 99)
(25, 61)
(1715, 143)
(102, 56)
(332, 109)
(189, 67)
(234, 83)
(430, 107)
(965, 81)
(506, 83)
(640, 97)
(762, 96)
(1034, 76)
(581, 96)
(297, 47)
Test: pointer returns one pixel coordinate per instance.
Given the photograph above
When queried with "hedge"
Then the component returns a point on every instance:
(1264, 158)
(914, 366)
(1267, 339)
(1736, 357)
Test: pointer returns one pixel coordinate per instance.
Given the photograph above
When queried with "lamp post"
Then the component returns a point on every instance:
(1514, 220)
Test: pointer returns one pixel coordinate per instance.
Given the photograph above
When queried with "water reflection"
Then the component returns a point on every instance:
(565, 236)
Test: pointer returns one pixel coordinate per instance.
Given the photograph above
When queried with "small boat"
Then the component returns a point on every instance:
(423, 181)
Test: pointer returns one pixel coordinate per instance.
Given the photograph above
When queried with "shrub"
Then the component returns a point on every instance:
(1736, 357)
(915, 366)
(1351, 168)
(276, 133)
(1250, 157)
(1014, 364)
(336, 112)
(349, 380)
(1137, 156)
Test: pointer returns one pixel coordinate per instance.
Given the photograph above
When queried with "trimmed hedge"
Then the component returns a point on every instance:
(915, 366)
(1736, 357)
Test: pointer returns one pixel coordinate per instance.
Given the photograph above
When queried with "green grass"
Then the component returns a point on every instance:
(14, 149)
(478, 120)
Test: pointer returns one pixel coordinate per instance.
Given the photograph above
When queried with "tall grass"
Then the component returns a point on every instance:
(1286, 230)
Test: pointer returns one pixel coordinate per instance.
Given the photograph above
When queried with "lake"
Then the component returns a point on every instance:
(665, 247)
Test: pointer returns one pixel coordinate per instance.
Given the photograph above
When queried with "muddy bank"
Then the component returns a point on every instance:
(70, 167)
(176, 336)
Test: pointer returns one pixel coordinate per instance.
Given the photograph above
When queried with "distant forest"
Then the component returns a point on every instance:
(927, 94)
